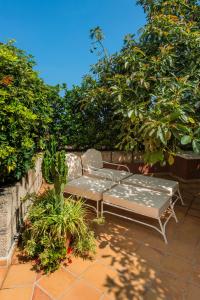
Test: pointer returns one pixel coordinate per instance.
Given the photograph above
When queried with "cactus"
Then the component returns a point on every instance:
(59, 172)
(54, 168)
(48, 160)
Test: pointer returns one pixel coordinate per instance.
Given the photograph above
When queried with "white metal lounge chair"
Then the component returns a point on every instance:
(142, 201)
(169, 187)
(84, 186)
(93, 166)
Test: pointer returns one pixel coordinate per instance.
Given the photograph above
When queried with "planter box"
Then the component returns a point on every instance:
(13, 210)
(186, 166)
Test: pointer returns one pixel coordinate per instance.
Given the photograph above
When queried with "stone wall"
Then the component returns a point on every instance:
(13, 210)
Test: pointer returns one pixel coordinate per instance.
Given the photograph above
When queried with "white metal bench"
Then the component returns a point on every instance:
(93, 166)
(84, 186)
(142, 201)
(169, 187)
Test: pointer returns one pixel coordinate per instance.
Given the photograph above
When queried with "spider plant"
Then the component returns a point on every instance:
(51, 228)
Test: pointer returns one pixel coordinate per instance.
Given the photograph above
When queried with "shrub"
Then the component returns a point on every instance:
(25, 112)
(82, 124)
(51, 228)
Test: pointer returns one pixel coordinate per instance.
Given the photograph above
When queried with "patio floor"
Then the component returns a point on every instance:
(132, 262)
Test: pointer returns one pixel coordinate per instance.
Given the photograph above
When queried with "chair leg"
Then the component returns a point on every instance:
(173, 212)
(101, 209)
(97, 209)
(162, 227)
(180, 197)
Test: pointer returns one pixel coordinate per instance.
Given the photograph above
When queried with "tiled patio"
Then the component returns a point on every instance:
(132, 262)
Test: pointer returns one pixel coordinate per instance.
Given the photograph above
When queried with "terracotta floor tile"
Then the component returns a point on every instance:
(24, 293)
(133, 280)
(132, 263)
(78, 265)
(119, 244)
(40, 295)
(112, 225)
(128, 285)
(56, 283)
(138, 232)
(194, 212)
(180, 213)
(124, 246)
(82, 291)
(121, 261)
(182, 249)
(16, 257)
(19, 258)
(188, 235)
(167, 287)
(179, 267)
(150, 255)
(189, 227)
(3, 263)
(195, 278)
(109, 256)
(105, 297)
(155, 240)
(102, 277)
(39, 274)
(196, 202)
(191, 222)
(196, 259)
(3, 272)
(19, 275)
(193, 292)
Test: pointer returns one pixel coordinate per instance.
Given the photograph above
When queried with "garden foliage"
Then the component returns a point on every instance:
(25, 112)
(55, 224)
(51, 229)
(145, 97)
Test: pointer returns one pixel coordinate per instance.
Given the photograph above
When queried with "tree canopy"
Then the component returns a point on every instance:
(145, 97)
(25, 112)
(152, 84)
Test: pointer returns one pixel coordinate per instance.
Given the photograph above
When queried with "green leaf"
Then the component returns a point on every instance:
(191, 120)
(170, 160)
(161, 136)
(196, 146)
(130, 113)
(126, 64)
(154, 157)
(197, 131)
(186, 139)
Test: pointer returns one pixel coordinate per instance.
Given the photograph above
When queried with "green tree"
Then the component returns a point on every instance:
(25, 112)
(84, 123)
(152, 84)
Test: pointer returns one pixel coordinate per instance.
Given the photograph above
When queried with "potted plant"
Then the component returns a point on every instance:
(55, 225)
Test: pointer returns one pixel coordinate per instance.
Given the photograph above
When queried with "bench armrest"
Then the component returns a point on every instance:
(99, 170)
(119, 165)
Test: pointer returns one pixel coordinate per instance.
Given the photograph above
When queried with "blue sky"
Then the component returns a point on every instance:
(56, 32)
